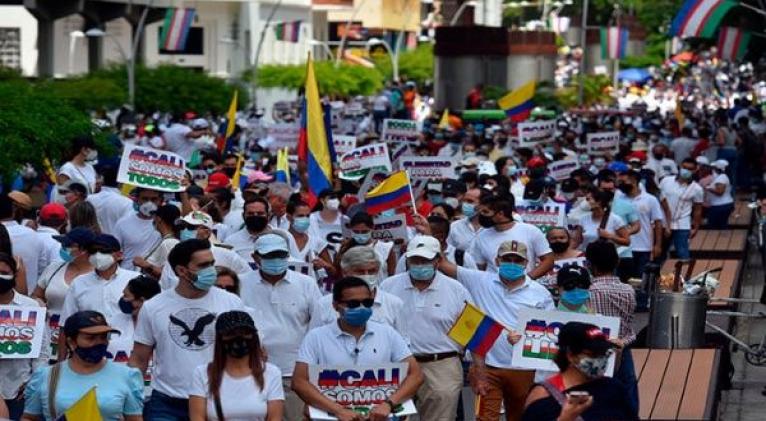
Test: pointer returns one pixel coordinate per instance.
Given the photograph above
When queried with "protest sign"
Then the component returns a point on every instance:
(21, 331)
(531, 133)
(549, 279)
(343, 143)
(399, 131)
(540, 330)
(560, 170)
(390, 228)
(142, 166)
(283, 135)
(603, 143)
(359, 388)
(427, 167)
(353, 163)
(301, 267)
(545, 217)
(372, 179)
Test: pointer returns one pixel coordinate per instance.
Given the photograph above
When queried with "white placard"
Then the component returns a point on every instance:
(603, 143)
(362, 158)
(21, 331)
(390, 228)
(343, 143)
(151, 168)
(531, 133)
(428, 167)
(398, 131)
(560, 170)
(544, 216)
(283, 135)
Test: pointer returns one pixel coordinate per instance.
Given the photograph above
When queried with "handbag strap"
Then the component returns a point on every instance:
(218, 407)
(557, 395)
(53, 382)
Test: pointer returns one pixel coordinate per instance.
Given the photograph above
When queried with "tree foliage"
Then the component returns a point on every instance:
(416, 64)
(344, 80)
(595, 91)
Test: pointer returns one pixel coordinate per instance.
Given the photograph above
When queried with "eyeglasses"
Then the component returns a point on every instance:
(367, 302)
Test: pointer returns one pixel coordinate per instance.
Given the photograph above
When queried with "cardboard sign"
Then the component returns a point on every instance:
(354, 163)
(390, 228)
(560, 170)
(359, 388)
(603, 143)
(343, 143)
(21, 331)
(540, 330)
(283, 135)
(151, 168)
(531, 133)
(399, 150)
(428, 167)
(399, 131)
(301, 267)
(545, 217)
(372, 179)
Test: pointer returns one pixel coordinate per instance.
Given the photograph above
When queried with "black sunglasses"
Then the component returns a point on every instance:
(367, 302)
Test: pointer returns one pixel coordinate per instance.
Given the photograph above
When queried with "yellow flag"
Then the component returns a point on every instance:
(679, 113)
(237, 173)
(86, 409)
(444, 122)
(232, 115)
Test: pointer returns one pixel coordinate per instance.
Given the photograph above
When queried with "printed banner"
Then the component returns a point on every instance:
(359, 388)
(428, 167)
(385, 228)
(355, 162)
(532, 133)
(21, 331)
(545, 216)
(142, 166)
(399, 131)
(301, 267)
(560, 170)
(603, 143)
(283, 135)
(343, 143)
(540, 330)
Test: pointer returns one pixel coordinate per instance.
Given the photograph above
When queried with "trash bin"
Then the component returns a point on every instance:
(677, 320)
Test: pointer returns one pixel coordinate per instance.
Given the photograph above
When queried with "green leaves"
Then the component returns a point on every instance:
(343, 80)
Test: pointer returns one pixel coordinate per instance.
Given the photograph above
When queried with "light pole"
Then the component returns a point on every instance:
(254, 84)
(583, 41)
(460, 10)
(73, 36)
(394, 56)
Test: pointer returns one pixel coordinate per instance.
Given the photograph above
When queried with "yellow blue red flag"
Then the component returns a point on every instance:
(518, 104)
(391, 193)
(86, 409)
(475, 330)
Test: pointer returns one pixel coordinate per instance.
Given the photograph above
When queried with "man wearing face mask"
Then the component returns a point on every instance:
(463, 231)
(135, 231)
(501, 295)
(256, 215)
(177, 329)
(327, 223)
(285, 304)
(101, 289)
(682, 200)
(305, 247)
(439, 229)
(164, 222)
(660, 163)
(435, 301)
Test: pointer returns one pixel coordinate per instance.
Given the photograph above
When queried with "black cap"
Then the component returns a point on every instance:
(87, 321)
(81, 236)
(578, 337)
(569, 185)
(573, 276)
(106, 243)
(534, 189)
(453, 187)
(231, 321)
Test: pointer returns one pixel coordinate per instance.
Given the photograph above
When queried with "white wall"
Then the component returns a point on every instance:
(488, 13)
(19, 17)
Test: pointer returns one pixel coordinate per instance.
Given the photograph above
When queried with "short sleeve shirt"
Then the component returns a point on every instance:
(328, 345)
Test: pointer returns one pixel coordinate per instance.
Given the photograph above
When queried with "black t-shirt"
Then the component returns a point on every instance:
(610, 403)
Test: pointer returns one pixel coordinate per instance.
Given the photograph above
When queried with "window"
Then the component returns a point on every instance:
(195, 42)
(10, 48)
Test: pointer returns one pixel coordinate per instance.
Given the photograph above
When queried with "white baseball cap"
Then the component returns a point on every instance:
(198, 218)
(423, 246)
(721, 164)
(199, 124)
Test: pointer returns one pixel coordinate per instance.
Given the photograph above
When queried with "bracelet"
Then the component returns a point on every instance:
(390, 404)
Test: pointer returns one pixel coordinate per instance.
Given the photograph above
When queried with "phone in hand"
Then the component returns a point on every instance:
(577, 396)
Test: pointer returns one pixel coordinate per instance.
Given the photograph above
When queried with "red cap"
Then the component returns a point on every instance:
(535, 162)
(217, 180)
(53, 211)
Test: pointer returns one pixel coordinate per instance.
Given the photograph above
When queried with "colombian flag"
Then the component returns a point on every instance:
(86, 409)
(475, 330)
(314, 146)
(518, 104)
(225, 131)
(391, 193)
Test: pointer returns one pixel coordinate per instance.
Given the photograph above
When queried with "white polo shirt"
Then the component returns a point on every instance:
(92, 292)
(283, 313)
(328, 345)
(485, 246)
(243, 243)
(387, 309)
(681, 198)
(503, 305)
(649, 211)
(462, 234)
(29, 248)
(430, 312)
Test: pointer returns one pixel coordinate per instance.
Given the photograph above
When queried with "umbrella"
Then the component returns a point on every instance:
(634, 75)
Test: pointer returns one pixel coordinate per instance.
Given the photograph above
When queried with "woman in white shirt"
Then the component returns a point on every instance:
(80, 165)
(238, 385)
(590, 226)
(719, 196)
(305, 247)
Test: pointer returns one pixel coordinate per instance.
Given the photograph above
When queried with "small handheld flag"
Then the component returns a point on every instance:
(444, 122)
(518, 104)
(283, 167)
(86, 409)
(474, 330)
(287, 31)
(391, 193)
(236, 179)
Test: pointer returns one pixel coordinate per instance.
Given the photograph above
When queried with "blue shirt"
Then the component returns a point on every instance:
(119, 391)
(625, 209)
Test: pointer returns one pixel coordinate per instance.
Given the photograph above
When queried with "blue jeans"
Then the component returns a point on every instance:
(640, 259)
(680, 239)
(162, 407)
(626, 374)
(718, 216)
(15, 407)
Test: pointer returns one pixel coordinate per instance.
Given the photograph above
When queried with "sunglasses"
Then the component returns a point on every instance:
(367, 302)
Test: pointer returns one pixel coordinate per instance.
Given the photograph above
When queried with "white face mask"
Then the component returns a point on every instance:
(147, 208)
(372, 280)
(584, 205)
(92, 155)
(101, 261)
(333, 204)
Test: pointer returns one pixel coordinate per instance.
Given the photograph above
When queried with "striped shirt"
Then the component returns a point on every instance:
(610, 297)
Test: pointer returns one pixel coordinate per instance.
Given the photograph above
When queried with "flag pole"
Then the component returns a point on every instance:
(412, 197)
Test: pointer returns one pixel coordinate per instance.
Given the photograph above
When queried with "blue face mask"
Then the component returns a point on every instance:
(363, 238)
(357, 316)
(685, 174)
(435, 199)
(205, 278)
(422, 272)
(275, 266)
(301, 224)
(575, 297)
(469, 209)
(388, 213)
(511, 271)
(187, 234)
(65, 254)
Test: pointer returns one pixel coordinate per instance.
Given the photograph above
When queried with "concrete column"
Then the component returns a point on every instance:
(95, 46)
(45, 43)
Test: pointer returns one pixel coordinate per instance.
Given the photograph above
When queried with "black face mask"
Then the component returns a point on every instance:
(256, 223)
(486, 221)
(559, 246)
(7, 284)
(625, 188)
(658, 156)
(92, 354)
(229, 171)
(237, 347)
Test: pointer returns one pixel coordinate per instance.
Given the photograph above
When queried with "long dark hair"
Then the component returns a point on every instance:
(216, 367)
(5, 241)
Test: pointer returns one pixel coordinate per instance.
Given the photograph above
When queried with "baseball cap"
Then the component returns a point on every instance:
(573, 276)
(199, 124)
(534, 189)
(578, 337)
(535, 162)
(453, 187)
(268, 243)
(512, 247)
(20, 199)
(423, 246)
(106, 243)
(702, 160)
(618, 167)
(217, 181)
(198, 218)
(234, 320)
(721, 164)
(52, 212)
(81, 236)
(87, 321)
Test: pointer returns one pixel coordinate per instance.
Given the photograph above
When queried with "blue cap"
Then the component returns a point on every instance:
(106, 241)
(81, 236)
(618, 167)
(268, 243)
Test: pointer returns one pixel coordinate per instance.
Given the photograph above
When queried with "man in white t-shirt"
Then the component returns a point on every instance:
(135, 231)
(660, 163)
(682, 198)
(109, 202)
(50, 221)
(719, 196)
(256, 215)
(180, 138)
(176, 329)
(463, 231)
(496, 214)
(164, 222)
